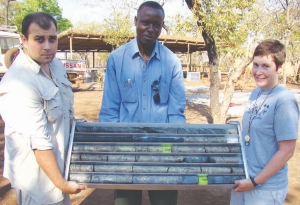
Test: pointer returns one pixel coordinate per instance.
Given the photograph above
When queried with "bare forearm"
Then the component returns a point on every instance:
(279, 159)
(48, 163)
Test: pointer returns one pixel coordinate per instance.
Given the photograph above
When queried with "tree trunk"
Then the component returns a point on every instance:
(218, 113)
(284, 68)
(287, 39)
(234, 76)
(214, 75)
(297, 74)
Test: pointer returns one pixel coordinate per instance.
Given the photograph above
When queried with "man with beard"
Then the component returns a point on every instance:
(36, 104)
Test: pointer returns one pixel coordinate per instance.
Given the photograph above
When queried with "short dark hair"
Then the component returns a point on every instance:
(271, 47)
(152, 4)
(40, 18)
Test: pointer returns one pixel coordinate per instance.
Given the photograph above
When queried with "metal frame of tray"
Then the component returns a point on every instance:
(147, 134)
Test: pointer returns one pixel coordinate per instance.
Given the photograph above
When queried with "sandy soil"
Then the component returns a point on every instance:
(87, 105)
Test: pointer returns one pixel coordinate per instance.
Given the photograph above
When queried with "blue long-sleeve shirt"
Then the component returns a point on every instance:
(128, 96)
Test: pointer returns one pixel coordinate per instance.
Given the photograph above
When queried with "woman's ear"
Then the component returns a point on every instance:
(280, 69)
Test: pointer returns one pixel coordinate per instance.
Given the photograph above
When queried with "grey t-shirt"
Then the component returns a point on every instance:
(276, 120)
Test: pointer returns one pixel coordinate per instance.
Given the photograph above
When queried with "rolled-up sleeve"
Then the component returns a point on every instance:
(27, 118)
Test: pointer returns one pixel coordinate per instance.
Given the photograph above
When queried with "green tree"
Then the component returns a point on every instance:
(285, 21)
(183, 25)
(221, 25)
(11, 11)
(118, 29)
(2, 11)
(48, 6)
(91, 27)
(118, 26)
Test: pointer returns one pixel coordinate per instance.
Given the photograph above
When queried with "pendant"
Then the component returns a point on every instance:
(247, 140)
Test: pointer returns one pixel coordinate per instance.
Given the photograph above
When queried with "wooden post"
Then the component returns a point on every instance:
(189, 60)
(71, 48)
(93, 59)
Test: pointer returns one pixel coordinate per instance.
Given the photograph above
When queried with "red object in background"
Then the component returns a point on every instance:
(16, 54)
(235, 104)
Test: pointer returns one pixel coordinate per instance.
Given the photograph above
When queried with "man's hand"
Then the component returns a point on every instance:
(71, 187)
(48, 163)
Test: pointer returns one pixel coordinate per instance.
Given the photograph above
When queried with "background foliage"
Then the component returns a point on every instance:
(19, 9)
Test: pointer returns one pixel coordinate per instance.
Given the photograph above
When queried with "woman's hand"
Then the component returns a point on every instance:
(243, 185)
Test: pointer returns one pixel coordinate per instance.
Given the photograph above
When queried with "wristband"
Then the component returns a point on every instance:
(254, 183)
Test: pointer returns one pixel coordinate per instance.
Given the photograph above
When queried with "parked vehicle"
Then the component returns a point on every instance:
(75, 68)
(9, 42)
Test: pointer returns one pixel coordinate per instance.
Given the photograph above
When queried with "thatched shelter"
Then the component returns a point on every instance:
(82, 41)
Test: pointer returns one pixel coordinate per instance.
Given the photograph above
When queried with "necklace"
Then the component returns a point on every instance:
(254, 113)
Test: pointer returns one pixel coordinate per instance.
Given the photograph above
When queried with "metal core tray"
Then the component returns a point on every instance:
(155, 156)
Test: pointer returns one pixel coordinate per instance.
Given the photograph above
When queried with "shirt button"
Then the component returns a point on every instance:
(144, 80)
(144, 94)
(144, 108)
(143, 66)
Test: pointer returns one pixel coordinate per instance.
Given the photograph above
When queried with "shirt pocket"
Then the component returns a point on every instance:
(128, 92)
(164, 93)
(67, 87)
(160, 110)
(52, 104)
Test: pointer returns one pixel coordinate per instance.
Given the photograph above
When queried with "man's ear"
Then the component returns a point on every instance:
(135, 20)
(24, 41)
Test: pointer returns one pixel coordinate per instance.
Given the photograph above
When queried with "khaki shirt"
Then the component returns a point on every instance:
(37, 111)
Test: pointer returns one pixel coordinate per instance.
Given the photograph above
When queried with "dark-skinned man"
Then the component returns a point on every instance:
(144, 83)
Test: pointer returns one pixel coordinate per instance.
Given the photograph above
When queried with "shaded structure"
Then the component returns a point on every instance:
(82, 41)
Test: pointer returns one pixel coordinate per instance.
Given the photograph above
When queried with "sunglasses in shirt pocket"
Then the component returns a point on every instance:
(164, 93)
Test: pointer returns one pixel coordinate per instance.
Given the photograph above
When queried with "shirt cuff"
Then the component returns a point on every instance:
(41, 143)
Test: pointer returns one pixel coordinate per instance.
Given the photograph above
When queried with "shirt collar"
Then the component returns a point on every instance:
(135, 49)
(32, 64)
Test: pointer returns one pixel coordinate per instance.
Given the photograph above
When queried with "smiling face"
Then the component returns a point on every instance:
(41, 44)
(264, 71)
(148, 22)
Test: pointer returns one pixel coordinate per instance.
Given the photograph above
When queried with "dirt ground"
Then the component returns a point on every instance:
(87, 105)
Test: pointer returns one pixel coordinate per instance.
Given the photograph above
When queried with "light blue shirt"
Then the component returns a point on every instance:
(128, 96)
(276, 119)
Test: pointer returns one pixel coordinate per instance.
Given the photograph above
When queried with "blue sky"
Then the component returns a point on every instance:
(76, 11)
